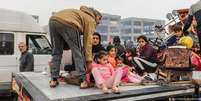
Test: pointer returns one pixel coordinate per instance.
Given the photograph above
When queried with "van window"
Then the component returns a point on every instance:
(6, 43)
(38, 44)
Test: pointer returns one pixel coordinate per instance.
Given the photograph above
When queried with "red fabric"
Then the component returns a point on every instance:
(88, 77)
(195, 61)
(125, 74)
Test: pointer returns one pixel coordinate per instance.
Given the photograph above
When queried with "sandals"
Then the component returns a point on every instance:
(105, 90)
(53, 83)
(84, 85)
(115, 90)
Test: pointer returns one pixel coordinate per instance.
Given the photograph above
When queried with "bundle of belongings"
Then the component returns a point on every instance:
(178, 63)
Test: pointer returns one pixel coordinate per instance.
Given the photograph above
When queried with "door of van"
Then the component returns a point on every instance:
(8, 63)
(40, 47)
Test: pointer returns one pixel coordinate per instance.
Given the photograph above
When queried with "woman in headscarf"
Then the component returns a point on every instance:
(146, 56)
(96, 44)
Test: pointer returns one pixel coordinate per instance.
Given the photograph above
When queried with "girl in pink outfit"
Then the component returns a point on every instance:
(131, 76)
(104, 74)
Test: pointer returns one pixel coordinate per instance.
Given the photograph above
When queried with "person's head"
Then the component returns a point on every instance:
(142, 41)
(177, 29)
(129, 44)
(97, 14)
(98, 19)
(182, 14)
(22, 47)
(96, 39)
(92, 12)
(130, 52)
(116, 40)
(112, 51)
(119, 60)
(102, 57)
(170, 29)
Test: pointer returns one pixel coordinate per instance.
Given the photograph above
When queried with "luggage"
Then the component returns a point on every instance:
(177, 57)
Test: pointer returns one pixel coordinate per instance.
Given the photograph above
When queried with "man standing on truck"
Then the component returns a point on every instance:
(67, 26)
(26, 59)
(194, 11)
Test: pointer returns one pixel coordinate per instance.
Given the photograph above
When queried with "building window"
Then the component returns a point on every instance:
(137, 23)
(126, 23)
(126, 31)
(104, 18)
(114, 30)
(148, 27)
(102, 29)
(38, 44)
(137, 30)
(113, 22)
(114, 19)
(104, 22)
(6, 43)
(146, 23)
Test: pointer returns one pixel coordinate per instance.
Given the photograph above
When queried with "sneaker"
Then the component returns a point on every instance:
(148, 77)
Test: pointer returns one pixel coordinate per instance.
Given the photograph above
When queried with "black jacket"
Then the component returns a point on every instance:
(26, 62)
(195, 11)
(97, 48)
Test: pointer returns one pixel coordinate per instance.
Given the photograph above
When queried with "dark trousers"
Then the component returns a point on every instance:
(60, 35)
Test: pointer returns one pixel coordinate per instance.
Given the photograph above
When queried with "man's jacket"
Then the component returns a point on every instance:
(83, 20)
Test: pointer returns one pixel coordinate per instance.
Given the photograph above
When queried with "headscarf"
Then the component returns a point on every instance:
(98, 47)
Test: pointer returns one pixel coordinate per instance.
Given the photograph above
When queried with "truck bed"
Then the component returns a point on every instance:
(37, 85)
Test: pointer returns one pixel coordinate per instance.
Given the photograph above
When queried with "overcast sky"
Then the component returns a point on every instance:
(155, 9)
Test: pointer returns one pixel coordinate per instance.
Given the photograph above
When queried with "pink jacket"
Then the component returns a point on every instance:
(106, 70)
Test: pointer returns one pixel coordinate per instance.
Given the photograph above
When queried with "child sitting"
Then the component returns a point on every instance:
(130, 53)
(112, 52)
(104, 74)
(131, 76)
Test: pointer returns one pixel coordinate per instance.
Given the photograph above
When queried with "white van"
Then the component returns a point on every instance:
(18, 27)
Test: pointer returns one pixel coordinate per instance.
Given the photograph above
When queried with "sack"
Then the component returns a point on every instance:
(177, 58)
(73, 78)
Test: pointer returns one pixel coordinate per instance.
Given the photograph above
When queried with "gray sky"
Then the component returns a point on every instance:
(155, 9)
